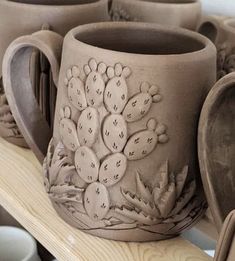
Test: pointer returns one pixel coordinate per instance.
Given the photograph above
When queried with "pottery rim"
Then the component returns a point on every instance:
(206, 46)
(63, 4)
(165, 3)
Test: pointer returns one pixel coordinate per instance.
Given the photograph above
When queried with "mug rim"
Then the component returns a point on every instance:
(207, 44)
(17, 4)
(161, 4)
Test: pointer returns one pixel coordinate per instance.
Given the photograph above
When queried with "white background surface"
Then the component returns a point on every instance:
(221, 7)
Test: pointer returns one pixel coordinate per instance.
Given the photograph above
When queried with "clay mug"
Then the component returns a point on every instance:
(183, 13)
(20, 17)
(221, 31)
(122, 163)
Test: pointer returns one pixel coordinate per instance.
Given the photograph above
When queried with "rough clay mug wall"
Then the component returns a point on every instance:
(30, 15)
(122, 163)
(184, 13)
(216, 148)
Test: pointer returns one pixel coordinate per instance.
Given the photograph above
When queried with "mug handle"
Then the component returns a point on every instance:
(19, 89)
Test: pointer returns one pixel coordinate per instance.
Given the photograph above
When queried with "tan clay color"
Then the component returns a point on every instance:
(183, 13)
(221, 31)
(122, 163)
(211, 27)
(27, 16)
(216, 148)
(225, 249)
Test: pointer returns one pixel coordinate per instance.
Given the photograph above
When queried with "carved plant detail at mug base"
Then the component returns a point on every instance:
(168, 201)
(78, 178)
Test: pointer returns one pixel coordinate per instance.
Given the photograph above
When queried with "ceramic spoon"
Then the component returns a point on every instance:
(216, 142)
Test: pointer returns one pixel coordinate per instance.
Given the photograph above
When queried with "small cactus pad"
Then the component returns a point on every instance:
(115, 132)
(88, 127)
(87, 164)
(142, 143)
(116, 92)
(68, 132)
(95, 83)
(115, 96)
(113, 169)
(99, 147)
(96, 201)
(139, 105)
(76, 93)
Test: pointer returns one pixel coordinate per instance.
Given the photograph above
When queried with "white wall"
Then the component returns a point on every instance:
(221, 7)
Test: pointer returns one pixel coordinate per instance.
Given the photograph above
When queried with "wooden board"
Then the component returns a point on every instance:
(207, 226)
(22, 195)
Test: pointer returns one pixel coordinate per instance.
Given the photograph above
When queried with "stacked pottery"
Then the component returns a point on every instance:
(122, 163)
(32, 15)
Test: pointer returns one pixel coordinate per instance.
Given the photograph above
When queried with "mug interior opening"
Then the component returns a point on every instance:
(171, 1)
(140, 40)
(209, 30)
(54, 2)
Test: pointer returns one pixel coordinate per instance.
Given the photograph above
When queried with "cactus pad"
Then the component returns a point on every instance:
(99, 147)
(113, 169)
(68, 132)
(96, 201)
(76, 93)
(142, 143)
(87, 164)
(88, 127)
(116, 92)
(95, 82)
(139, 105)
(115, 132)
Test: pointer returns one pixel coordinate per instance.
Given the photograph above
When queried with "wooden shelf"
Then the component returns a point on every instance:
(22, 194)
(206, 226)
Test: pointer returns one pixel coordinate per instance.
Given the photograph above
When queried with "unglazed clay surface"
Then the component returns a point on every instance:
(8, 126)
(221, 31)
(216, 148)
(58, 16)
(225, 249)
(184, 14)
(122, 163)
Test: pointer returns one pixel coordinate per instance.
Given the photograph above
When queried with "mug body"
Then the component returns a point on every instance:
(184, 13)
(122, 163)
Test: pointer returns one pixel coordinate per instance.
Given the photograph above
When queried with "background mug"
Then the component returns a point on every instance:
(122, 163)
(17, 245)
(221, 31)
(183, 13)
(33, 15)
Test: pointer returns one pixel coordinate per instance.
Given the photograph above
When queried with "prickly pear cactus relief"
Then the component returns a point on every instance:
(83, 182)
